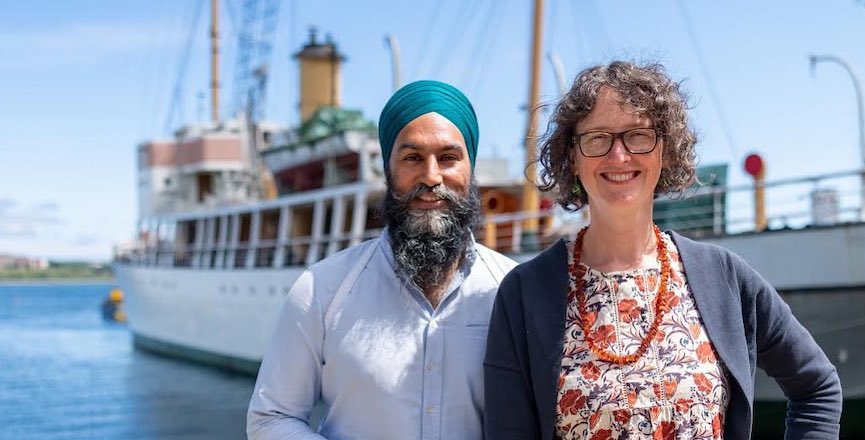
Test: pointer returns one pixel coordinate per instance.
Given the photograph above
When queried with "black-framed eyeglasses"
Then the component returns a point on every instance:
(598, 143)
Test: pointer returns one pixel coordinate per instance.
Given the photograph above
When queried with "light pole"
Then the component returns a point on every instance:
(393, 45)
(814, 59)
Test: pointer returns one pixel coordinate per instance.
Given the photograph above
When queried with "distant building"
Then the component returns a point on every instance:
(16, 262)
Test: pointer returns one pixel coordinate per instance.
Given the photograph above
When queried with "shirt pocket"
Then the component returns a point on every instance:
(477, 330)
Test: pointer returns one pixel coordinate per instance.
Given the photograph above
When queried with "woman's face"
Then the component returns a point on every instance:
(618, 179)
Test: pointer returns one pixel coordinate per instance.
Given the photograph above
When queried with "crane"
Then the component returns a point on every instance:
(255, 44)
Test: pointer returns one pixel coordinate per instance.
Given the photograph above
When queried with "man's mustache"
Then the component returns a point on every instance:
(440, 190)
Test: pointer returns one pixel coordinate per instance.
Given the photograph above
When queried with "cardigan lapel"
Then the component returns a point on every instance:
(546, 329)
(720, 308)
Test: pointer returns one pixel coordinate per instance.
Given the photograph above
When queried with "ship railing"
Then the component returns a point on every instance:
(240, 256)
(262, 254)
(707, 211)
(813, 201)
(205, 255)
(265, 253)
(297, 251)
(128, 252)
(164, 254)
(182, 259)
(508, 233)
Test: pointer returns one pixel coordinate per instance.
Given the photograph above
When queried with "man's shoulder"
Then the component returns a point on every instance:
(501, 260)
(319, 285)
(328, 274)
(342, 261)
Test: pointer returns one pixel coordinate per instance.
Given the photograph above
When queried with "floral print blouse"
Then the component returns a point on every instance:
(677, 390)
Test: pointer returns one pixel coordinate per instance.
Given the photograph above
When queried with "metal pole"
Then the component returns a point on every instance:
(760, 221)
(814, 59)
(530, 193)
(214, 60)
(393, 45)
(559, 71)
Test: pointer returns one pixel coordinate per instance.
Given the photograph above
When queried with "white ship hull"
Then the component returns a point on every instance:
(218, 316)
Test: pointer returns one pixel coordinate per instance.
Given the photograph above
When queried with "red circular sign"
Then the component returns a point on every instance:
(753, 164)
(546, 204)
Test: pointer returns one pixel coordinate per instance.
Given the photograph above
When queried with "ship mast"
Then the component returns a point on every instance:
(530, 193)
(214, 60)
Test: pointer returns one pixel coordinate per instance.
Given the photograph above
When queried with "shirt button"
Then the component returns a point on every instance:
(430, 366)
(430, 409)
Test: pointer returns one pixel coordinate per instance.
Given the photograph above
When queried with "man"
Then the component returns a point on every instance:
(390, 334)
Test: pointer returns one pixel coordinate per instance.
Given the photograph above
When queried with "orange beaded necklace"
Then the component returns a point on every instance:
(578, 293)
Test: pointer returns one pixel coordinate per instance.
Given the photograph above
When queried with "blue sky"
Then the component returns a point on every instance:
(84, 82)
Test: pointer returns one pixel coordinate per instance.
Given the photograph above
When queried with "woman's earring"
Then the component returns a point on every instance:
(576, 189)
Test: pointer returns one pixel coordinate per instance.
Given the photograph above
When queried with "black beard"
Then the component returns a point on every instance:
(428, 243)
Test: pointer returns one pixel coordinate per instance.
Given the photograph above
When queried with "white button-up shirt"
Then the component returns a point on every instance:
(384, 363)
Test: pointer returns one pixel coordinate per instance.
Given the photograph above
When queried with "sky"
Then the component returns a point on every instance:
(82, 83)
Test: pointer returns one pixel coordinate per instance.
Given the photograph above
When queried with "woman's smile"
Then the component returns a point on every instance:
(620, 177)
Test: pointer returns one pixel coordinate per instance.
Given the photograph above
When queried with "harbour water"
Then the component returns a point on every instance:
(65, 373)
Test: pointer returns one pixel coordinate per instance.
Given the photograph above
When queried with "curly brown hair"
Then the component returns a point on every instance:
(653, 94)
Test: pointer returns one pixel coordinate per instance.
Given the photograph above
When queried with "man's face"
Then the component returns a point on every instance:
(432, 204)
(429, 150)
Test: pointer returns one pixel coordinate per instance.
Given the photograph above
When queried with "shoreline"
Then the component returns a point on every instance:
(54, 281)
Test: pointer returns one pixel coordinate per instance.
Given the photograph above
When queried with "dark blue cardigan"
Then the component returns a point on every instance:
(746, 320)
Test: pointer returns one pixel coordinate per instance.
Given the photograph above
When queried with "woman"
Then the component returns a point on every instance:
(630, 332)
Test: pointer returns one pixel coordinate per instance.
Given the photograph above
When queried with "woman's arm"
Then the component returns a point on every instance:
(789, 354)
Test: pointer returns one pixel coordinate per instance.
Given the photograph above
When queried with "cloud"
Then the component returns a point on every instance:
(17, 230)
(18, 221)
(6, 205)
(44, 213)
(47, 206)
(85, 239)
(40, 229)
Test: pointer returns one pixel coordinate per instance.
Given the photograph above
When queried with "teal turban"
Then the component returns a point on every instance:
(419, 98)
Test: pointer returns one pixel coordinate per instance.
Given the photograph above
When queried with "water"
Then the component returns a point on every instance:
(67, 374)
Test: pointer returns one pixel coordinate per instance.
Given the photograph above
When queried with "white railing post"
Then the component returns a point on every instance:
(221, 244)
(207, 246)
(234, 240)
(517, 236)
(717, 211)
(153, 243)
(317, 232)
(252, 244)
(358, 218)
(337, 223)
(197, 247)
(282, 236)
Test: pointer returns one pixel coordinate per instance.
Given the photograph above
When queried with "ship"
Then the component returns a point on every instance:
(232, 212)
